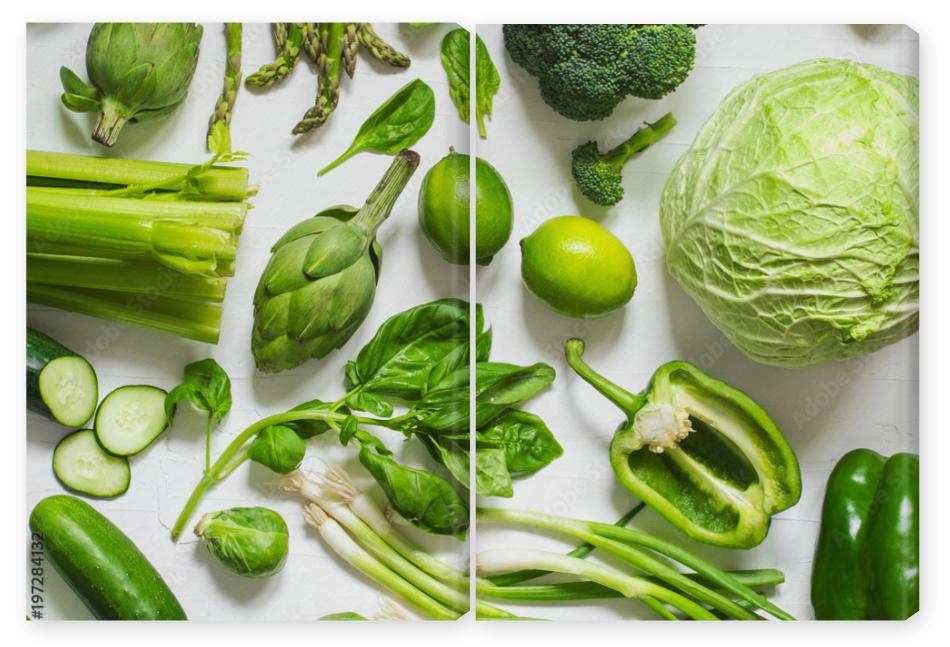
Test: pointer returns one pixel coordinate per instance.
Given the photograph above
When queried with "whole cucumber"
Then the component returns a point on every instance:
(101, 564)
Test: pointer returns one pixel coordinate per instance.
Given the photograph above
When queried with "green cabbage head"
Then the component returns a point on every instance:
(793, 219)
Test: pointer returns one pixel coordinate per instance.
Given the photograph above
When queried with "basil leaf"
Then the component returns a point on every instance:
(455, 59)
(450, 454)
(347, 430)
(447, 406)
(503, 385)
(310, 428)
(487, 82)
(206, 386)
(424, 499)
(343, 615)
(363, 401)
(397, 124)
(483, 346)
(491, 473)
(279, 448)
(397, 361)
(526, 441)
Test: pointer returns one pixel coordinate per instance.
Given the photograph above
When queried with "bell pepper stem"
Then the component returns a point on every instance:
(625, 401)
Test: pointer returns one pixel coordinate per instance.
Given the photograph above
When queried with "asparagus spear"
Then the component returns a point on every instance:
(350, 46)
(220, 141)
(289, 39)
(380, 48)
(333, 42)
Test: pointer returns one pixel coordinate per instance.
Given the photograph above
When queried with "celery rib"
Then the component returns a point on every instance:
(215, 183)
(121, 276)
(190, 319)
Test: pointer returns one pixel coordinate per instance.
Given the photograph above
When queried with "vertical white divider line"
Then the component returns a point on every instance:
(472, 300)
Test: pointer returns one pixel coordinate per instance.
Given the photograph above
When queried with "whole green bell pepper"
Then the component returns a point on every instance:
(700, 452)
(866, 564)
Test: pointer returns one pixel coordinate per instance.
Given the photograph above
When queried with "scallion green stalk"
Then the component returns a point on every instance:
(509, 559)
(584, 531)
(344, 546)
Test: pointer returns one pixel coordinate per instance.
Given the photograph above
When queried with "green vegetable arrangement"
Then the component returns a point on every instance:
(140, 242)
(321, 279)
(598, 175)
(418, 359)
(354, 528)
(793, 219)
(399, 123)
(456, 60)
(867, 564)
(584, 71)
(137, 71)
(700, 452)
(333, 48)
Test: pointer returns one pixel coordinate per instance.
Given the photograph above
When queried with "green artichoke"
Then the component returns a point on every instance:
(137, 71)
(320, 281)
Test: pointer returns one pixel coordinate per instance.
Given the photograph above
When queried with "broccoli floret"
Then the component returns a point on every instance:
(598, 176)
(584, 71)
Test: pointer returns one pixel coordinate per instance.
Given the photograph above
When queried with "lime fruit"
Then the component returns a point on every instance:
(578, 268)
(444, 209)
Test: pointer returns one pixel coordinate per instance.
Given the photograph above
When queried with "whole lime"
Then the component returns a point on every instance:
(578, 268)
(444, 209)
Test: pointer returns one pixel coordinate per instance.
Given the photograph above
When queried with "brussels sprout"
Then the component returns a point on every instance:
(251, 542)
(279, 448)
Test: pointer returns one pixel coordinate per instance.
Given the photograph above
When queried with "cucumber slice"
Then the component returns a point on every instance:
(83, 466)
(69, 389)
(59, 383)
(130, 418)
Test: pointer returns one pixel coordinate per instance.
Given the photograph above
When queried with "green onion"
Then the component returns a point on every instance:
(341, 543)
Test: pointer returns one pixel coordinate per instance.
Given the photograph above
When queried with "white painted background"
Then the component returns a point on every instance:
(824, 410)
(313, 582)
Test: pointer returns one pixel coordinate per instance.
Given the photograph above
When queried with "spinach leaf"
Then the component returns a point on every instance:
(206, 386)
(487, 82)
(491, 473)
(455, 59)
(424, 499)
(397, 124)
(526, 441)
(399, 359)
(279, 448)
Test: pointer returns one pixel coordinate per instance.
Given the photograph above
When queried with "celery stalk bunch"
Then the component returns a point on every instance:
(139, 242)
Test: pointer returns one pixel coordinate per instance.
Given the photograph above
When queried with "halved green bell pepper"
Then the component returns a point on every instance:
(700, 452)
(866, 564)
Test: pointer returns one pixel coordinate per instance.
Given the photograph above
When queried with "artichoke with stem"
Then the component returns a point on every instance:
(320, 281)
(137, 71)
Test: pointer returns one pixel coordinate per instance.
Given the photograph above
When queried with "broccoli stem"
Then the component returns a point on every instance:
(641, 140)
